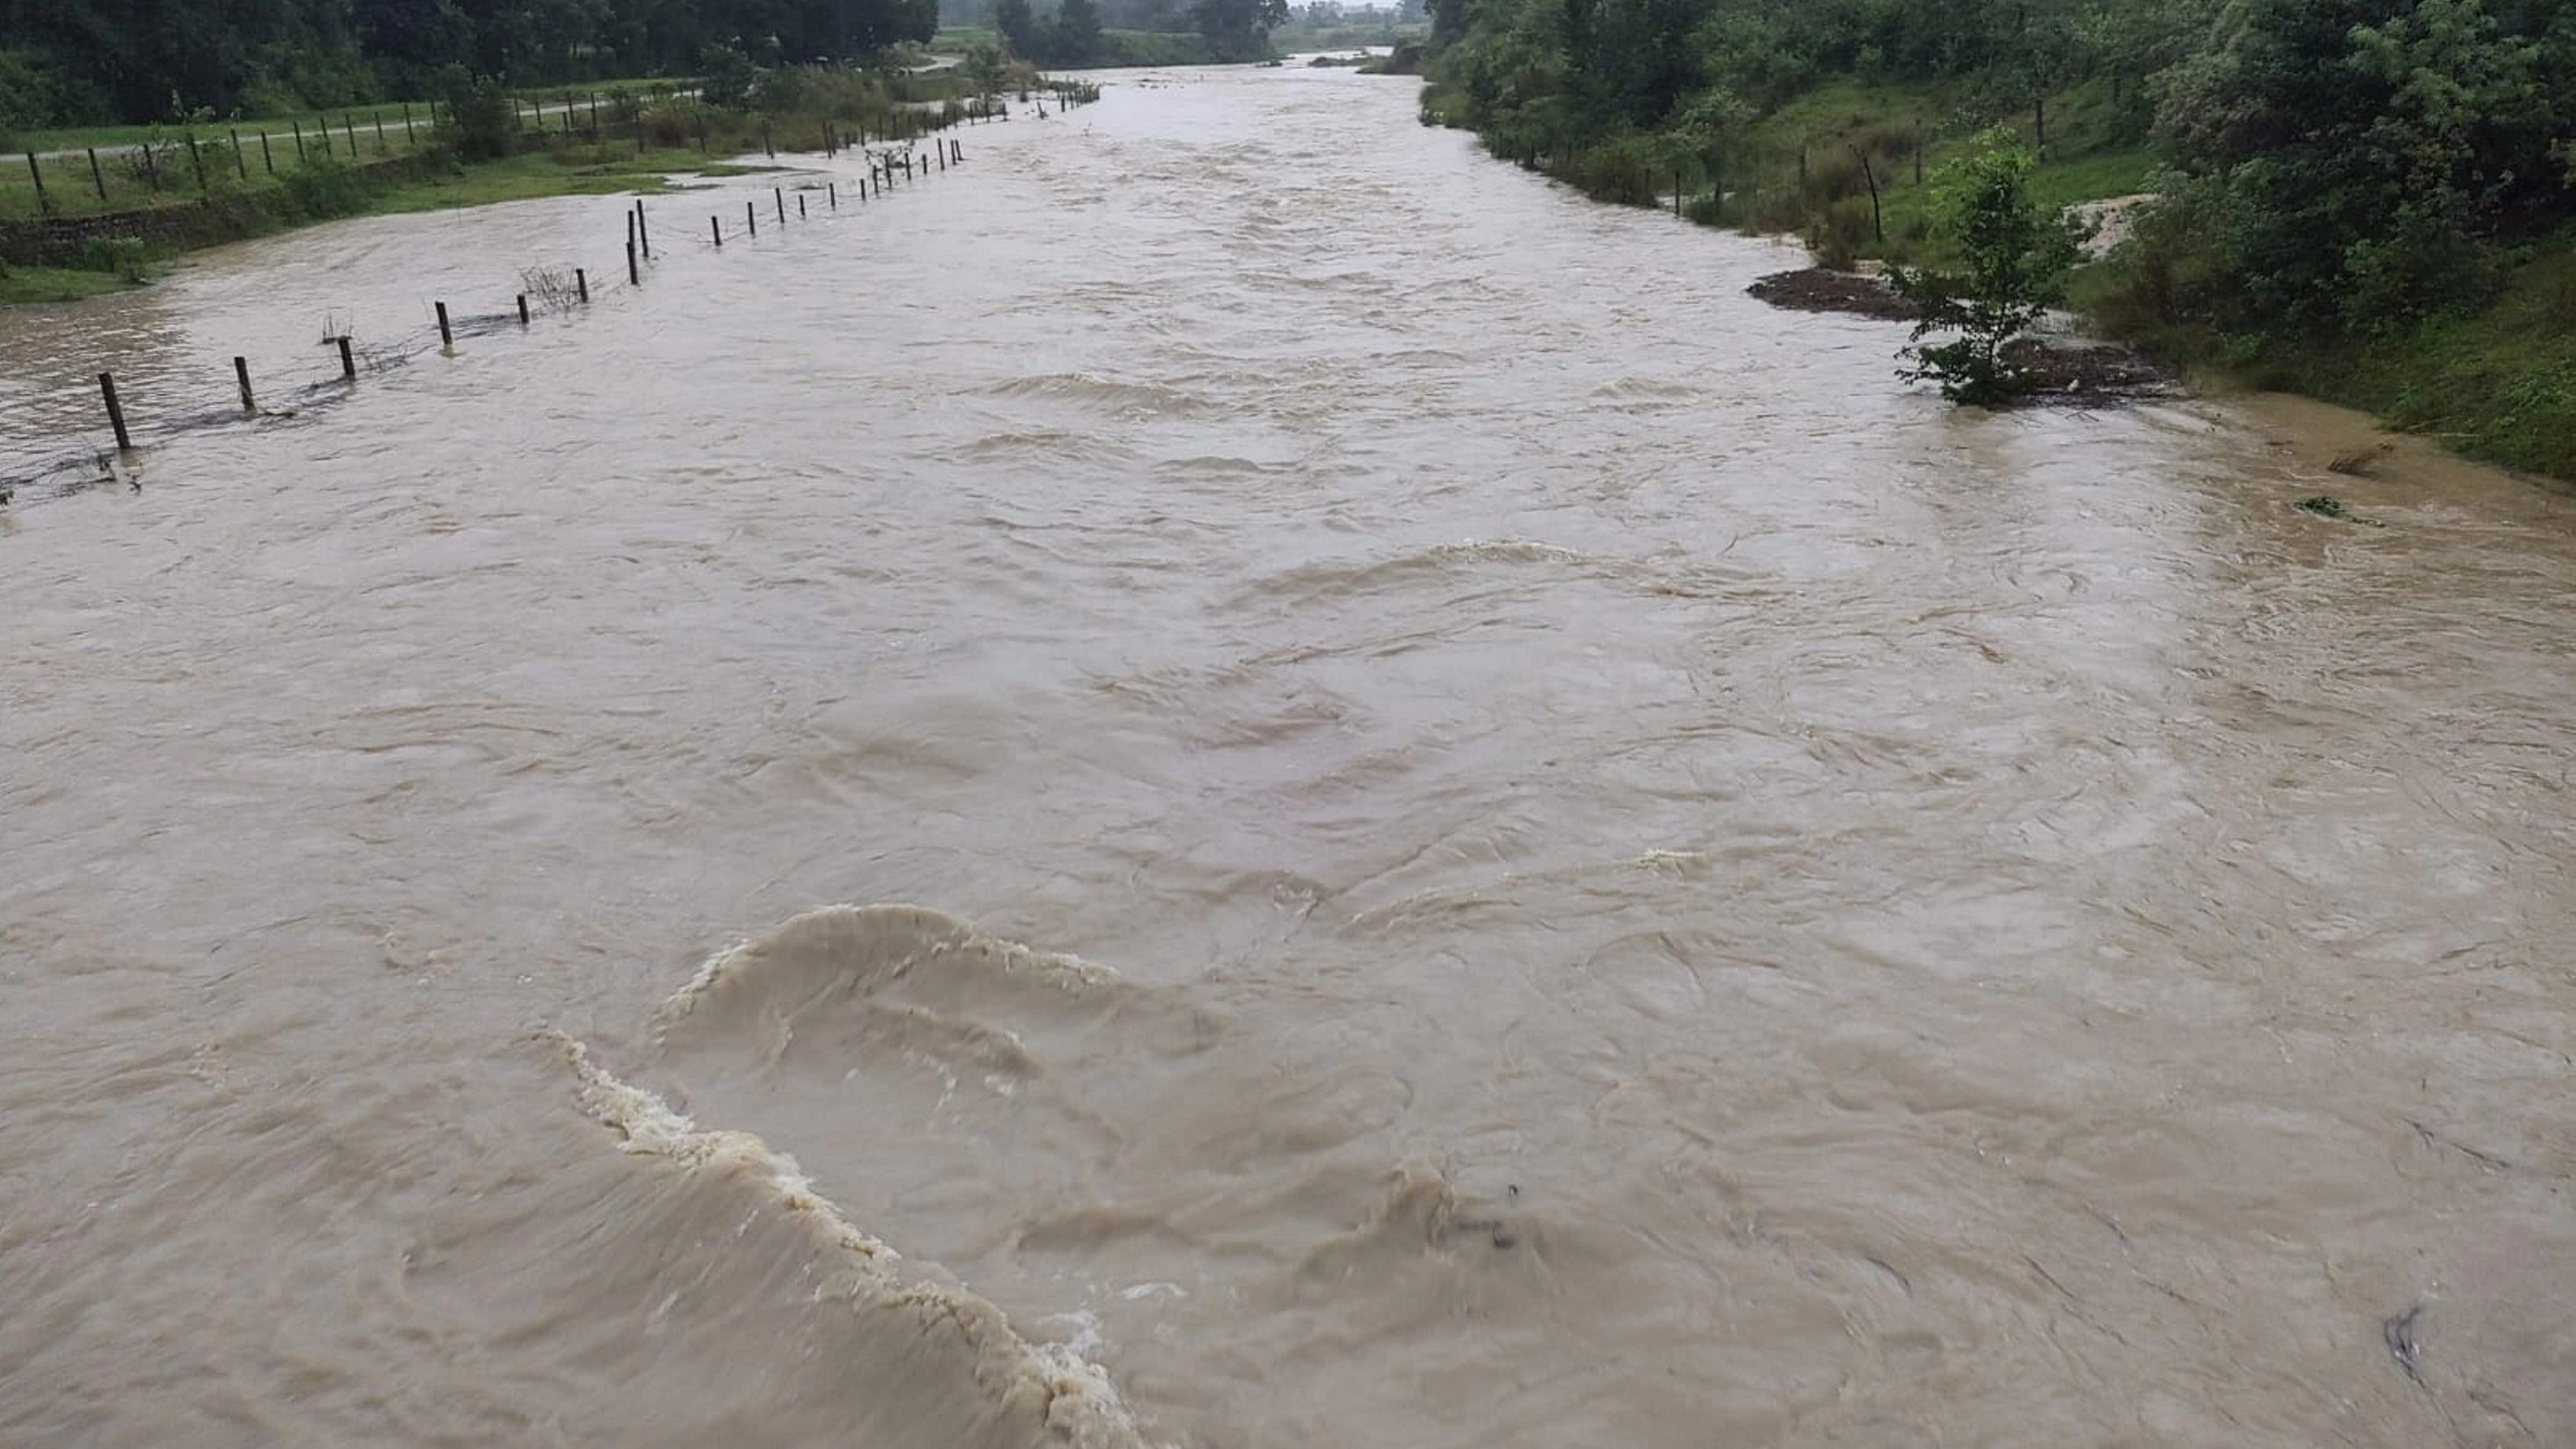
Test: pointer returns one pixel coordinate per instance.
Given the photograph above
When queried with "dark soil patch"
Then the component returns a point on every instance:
(2060, 371)
(1816, 289)
(2085, 371)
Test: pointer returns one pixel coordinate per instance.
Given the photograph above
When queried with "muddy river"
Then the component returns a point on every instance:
(1232, 778)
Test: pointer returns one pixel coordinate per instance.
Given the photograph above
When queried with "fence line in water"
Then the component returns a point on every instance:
(888, 166)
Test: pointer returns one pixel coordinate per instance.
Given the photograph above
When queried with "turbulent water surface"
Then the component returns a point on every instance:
(1453, 835)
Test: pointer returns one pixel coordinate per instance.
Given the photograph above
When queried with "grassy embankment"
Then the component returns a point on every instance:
(2497, 384)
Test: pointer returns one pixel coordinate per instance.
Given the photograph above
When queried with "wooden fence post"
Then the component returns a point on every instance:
(634, 278)
(266, 157)
(717, 227)
(42, 204)
(446, 337)
(241, 374)
(97, 178)
(241, 163)
(581, 284)
(348, 360)
(643, 230)
(523, 309)
(299, 142)
(115, 414)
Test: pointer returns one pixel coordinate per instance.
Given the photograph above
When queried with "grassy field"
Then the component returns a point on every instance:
(56, 284)
(2090, 156)
(390, 112)
(125, 181)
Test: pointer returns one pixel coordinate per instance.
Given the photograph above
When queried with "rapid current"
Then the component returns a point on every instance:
(1233, 778)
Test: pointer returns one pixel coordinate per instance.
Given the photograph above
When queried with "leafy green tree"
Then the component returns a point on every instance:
(1239, 29)
(2014, 255)
(2355, 154)
(480, 123)
(1018, 25)
(725, 75)
(1077, 32)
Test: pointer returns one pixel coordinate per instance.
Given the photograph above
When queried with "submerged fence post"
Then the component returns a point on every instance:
(581, 283)
(717, 227)
(832, 189)
(523, 309)
(241, 374)
(115, 414)
(800, 206)
(446, 337)
(751, 218)
(634, 278)
(643, 231)
(348, 360)
(779, 194)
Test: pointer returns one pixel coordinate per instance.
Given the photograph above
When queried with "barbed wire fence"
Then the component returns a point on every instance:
(268, 395)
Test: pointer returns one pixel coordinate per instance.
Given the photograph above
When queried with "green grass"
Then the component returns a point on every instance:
(56, 284)
(2497, 384)
(2089, 156)
(71, 189)
(73, 138)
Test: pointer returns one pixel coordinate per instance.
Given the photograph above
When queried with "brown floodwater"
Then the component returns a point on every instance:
(1453, 834)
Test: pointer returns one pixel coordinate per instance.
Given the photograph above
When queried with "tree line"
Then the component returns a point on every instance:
(2327, 165)
(77, 62)
(1076, 33)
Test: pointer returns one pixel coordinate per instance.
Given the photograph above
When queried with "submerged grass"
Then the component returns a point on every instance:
(578, 171)
(58, 284)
